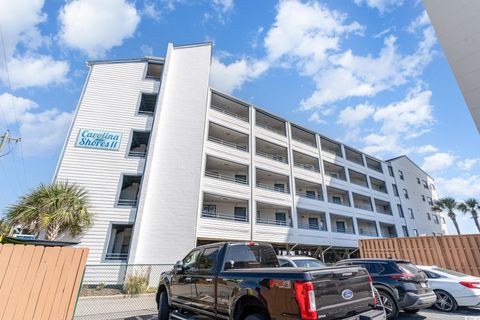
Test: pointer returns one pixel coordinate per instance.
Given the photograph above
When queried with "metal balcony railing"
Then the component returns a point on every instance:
(274, 157)
(272, 188)
(140, 154)
(228, 144)
(305, 166)
(274, 222)
(379, 188)
(116, 256)
(334, 152)
(341, 203)
(363, 207)
(229, 113)
(127, 202)
(359, 182)
(219, 176)
(312, 226)
(368, 233)
(389, 235)
(316, 196)
(267, 127)
(309, 143)
(343, 230)
(224, 216)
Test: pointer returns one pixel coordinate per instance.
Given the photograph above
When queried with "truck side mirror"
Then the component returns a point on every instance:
(179, 266)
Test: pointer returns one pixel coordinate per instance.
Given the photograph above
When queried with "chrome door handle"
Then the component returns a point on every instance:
(209, 280)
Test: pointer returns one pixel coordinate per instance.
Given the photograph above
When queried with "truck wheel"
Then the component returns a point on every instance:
(390, 305)
(163, 307)
(412, 311)
(445, 302)
(257, 316)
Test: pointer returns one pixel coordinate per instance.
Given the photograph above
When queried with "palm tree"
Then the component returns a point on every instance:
(472, 206)
(447, 204)
(4, 228)
(55, 208)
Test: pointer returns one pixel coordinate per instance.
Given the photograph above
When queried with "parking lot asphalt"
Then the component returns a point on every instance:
(461, 313)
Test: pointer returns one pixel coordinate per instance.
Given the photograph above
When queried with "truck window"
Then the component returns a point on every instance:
(208, 260)
(245, 256)
(190, 261)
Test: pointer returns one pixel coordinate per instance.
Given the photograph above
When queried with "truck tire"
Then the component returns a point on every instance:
(256, 316)
(390, 305)
(163, 307)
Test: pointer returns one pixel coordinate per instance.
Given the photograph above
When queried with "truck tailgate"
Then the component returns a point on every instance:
(342, 292)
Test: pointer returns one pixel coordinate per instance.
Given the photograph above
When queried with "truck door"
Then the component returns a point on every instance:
(203, 280)
(181, 287)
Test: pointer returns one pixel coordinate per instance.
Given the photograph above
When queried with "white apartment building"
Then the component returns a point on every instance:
(169, 163)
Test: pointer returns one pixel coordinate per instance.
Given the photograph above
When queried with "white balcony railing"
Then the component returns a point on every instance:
(116, 256)
(229, 113)
(274, 157)
(316, 196)
(274, 222)
(228, 144)
(305, 166)
(309, 143)
(368, 233)
(343, 230)
(272, 188)
(312, 226)
(224, 216)
(127, 202)
(139, 154)
(223, 177)
(267, 127)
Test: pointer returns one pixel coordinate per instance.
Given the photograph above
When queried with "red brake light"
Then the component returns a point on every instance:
(471, 285)
(252, 244)
(373, 290)
(305, 295)
(403, 276)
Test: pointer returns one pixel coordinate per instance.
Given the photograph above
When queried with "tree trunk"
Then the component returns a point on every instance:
(52, 231)
(475, 218)
(456, 225)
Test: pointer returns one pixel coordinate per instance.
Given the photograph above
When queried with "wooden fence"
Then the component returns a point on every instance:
(39, 282)
(459, 253)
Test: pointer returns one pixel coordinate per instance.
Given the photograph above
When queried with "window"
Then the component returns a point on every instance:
(154, 71)
(240, 214)
(340, 226)
(405, 193)
(415, 232)
(147, 103)
(373, 268)
(400, 210)
(280, 187)
(337, 200)
(429, 201)
(390, 171)
(425, 184)
(240, 256)
(432, 186)
(311, 194)
(400, 174)
(281, 218)
(423, 198)
(410, 213)
(138, 146)
(285, 263)
(443, 220)
(405, 231)
(129, 192)
(418, 180)
(190, 261)
(428, 216)
(395, 190)
(435, 219)
(209, 208)
(208, 260)
(119, 242)
(313, 223)
(241, 178)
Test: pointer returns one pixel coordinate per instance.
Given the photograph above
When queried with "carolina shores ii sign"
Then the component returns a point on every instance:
(95, 139)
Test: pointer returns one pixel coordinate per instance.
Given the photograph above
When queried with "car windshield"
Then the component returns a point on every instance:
(246, 256)
(451, 272)
(309, 263)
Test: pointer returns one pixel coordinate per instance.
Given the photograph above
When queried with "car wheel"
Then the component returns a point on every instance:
(390, 305)
(445, 302)
(163, 307)
(257, 316)
(412, 310)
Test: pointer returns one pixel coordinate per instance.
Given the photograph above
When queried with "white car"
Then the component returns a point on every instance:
(453, 289)
(300, 262)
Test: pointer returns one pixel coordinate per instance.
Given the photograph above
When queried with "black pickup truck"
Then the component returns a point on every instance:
(239, 281)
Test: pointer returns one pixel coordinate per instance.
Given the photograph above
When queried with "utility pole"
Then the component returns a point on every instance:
(7, 139)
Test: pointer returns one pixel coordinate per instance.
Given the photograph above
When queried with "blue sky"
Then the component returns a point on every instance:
(368, 72)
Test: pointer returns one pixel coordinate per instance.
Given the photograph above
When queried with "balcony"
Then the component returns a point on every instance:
(270, 123)
(362, 202)
(272, 181)
(303, 136)
(334, 170)
(130, 190)
(271, 151)
(338, 196)
(225, 170)
(383, 207)
(342, 224)
(230, 107)
(367, 228)
(374, 165)
(139, 144)
(274, 215)
(303, 161)
(311, 220)
(354, 156)
(224, 208)
(227, 137)
(310, 190)
(388, 230)
(378, 185)
(331, 147)
(358, 178)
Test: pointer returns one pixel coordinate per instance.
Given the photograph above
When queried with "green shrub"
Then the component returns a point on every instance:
(135, 284)
(100, 286)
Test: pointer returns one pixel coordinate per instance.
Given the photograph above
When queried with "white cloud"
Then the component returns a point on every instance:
(438, 161)
(315, 117)
(426, 149)
(41, 132)
(467, 164)
(381, 5)
(421, 21)
(460, 188)
(94, 27)
(352, 116)
(232, 76)
(383, 144)
(223, 5)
